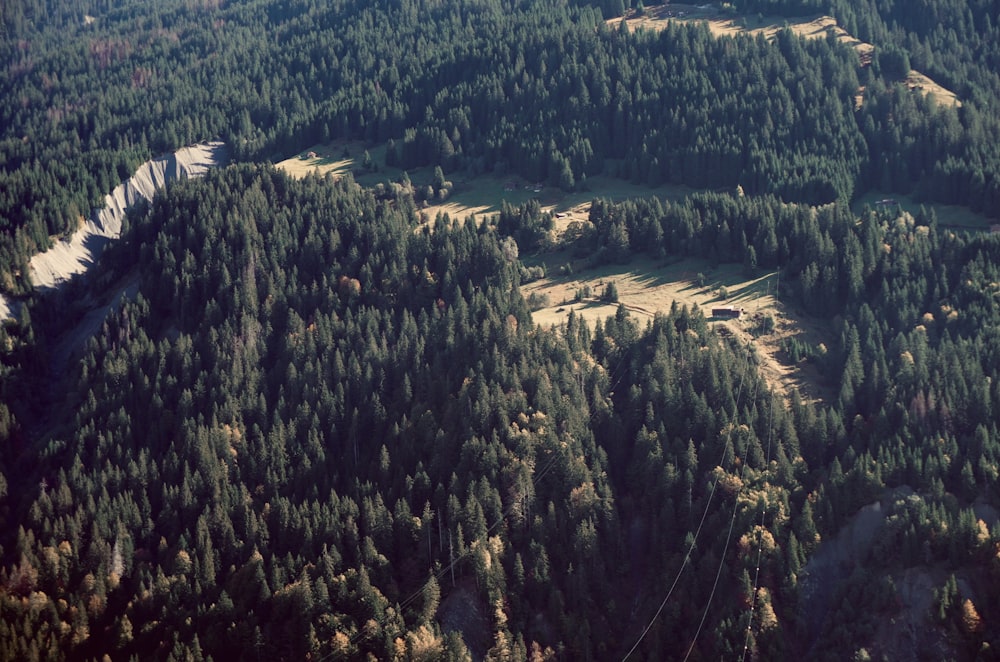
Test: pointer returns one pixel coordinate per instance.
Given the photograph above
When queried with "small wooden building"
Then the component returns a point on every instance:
(727, 312)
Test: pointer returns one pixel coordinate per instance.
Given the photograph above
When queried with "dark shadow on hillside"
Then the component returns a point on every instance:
(750, 291)
(647, 279)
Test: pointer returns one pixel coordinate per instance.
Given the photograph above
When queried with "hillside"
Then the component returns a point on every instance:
(75, 254)
(95, 99)
(723, 23)
(562, 450)
(429, 368)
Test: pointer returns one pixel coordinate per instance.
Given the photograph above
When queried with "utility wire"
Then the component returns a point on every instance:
(446, 569)
(760, 538)
(711, 494)
(536, 479)
(725, 549)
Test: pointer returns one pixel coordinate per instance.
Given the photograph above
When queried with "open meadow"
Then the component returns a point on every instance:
(475, 195)
(646, 286)
(722, 21)
(952, 216)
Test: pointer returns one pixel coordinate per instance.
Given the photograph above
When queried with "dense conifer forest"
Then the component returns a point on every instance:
(551, 93)
(311, 426)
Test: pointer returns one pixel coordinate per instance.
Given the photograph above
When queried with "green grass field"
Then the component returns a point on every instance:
(952, 216)
(471, 195)
(484, 194)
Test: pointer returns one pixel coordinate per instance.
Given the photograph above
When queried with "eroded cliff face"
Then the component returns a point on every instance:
(77, 254)
(7, 308)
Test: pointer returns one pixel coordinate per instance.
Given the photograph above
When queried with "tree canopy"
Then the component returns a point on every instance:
(283, 419)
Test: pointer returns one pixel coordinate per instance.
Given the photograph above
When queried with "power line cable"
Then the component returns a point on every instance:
(725, 549)
(536, 479)
(760, 538)
(711, 495)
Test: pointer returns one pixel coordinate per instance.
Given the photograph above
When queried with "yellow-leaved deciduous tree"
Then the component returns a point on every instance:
(424, 644)
(768, 619)
(341, 646)
(539, 654)
(971, 621)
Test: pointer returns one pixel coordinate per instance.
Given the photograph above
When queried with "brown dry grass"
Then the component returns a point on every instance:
(483, 195)
(722, 24)
(726, 24)
(480, 195)
(921, 83)
(647, 287)
(324, 159)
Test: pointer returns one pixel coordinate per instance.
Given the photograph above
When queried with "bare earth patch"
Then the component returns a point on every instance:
(907, 630)
(647, 287)
(77, 253)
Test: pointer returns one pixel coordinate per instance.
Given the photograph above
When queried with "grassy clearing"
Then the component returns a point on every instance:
(485, 194)
(725, 23)
(337, 159)
(647, 286)
(952, 216)
(472, 195)
(921, 83)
